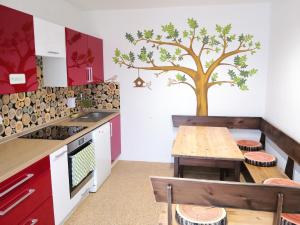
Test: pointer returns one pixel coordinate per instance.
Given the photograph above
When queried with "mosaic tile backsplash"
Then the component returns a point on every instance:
(21, 111)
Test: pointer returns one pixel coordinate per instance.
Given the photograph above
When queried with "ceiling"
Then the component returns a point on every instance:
(139, 4)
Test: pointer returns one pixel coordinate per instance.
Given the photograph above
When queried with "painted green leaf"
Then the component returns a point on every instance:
(219, 28)
(125, 57)
(185, 34)
(131, 57)
(178, 51)
(226, 30)
(214, 77)
(180, 77)
(203, 31)
(164, 55)
(129, 37)
(140, 34)
(192, 23)
(209, 63)
(148, 34)
(117, 52)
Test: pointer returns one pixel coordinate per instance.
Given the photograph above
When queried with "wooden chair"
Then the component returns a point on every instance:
(237, 198)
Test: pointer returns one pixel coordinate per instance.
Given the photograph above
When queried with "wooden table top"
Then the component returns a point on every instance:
(206, 142)
(234, 217)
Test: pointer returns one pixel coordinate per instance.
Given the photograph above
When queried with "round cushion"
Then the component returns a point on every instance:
(286, 218)
(262, 159)
(200, 215)
(249, 145)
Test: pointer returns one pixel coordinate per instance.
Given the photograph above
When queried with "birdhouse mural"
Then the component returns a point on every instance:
(140, 83)
(211, 53)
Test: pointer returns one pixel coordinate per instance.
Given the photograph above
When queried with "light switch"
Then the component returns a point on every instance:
(17, 78)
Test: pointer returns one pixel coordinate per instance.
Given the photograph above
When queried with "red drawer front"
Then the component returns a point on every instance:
(17, 204)
(23, 177)
(43, 215)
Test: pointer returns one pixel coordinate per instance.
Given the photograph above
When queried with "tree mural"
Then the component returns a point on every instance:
(209, 52)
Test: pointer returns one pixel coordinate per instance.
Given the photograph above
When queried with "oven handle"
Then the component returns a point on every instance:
(9, 208)
(26, 178)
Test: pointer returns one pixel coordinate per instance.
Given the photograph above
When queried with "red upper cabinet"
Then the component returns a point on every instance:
(95, 50)
(17, 52)
(84, 58)
(76, 47)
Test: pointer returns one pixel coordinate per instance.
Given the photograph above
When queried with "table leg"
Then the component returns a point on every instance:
(176, 166)
(237, 171)
(222, 174)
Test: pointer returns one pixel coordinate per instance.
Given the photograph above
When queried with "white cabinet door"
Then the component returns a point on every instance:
(60, 184)
(49, 39)
(101, 139)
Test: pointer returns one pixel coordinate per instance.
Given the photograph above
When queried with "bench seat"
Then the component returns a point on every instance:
(260, 174)
(234, 217)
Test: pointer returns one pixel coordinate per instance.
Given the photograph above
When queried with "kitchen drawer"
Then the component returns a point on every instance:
(25, 198)
(43, 215)
(14, 183)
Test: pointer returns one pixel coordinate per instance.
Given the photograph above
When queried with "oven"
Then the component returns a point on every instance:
(81, 162)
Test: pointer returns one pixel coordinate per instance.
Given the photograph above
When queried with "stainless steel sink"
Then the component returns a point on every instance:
(92, 117)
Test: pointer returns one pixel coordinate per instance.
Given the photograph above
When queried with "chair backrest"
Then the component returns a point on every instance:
(282, 140)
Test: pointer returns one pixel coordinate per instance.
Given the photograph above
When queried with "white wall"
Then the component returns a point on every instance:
(57, 11)
(147, 132)
(283, 96)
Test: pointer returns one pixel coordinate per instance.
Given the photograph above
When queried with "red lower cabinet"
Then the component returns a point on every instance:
(42, 215)
(115, 137)
(25, 192)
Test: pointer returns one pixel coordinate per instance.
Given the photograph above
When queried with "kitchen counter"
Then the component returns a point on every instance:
(17, 154)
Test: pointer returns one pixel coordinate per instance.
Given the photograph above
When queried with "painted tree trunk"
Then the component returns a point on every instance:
(202, 101)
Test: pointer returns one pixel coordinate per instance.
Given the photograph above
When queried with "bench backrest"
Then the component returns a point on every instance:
(282, 140)
(226, 194)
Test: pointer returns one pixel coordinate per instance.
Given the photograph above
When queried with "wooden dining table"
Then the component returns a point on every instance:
(206, 147)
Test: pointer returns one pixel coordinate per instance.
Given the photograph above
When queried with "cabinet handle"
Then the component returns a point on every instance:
(16, 203)
(88, 74)
(34, 221)
(53, 52)
(92, 74)
(26, 178)
(61, 154)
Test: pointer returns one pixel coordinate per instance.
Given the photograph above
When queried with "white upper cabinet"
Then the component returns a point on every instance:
(49, 39)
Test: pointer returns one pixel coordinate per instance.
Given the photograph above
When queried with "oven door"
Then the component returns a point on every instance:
(81, 166)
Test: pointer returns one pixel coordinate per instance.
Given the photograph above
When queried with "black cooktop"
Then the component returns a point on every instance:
(54, 132)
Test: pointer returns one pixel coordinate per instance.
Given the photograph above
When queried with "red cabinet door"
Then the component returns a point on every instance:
(77, 57)
(95, 59)
(42, 215)
(21, 194)
(17, 51)
(115, 138)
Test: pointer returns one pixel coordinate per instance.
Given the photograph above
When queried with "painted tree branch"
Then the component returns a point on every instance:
(219, 83)
(176, 44)
(224, 56)
(187, 71)
(175, 82)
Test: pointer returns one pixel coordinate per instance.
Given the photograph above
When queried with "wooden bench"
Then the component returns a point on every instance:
(245, 203)
(282, 140)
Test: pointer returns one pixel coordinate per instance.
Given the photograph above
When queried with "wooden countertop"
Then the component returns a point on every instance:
(206, 142)
(17, 154)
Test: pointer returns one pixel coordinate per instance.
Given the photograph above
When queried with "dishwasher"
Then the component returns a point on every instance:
(101, 140)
